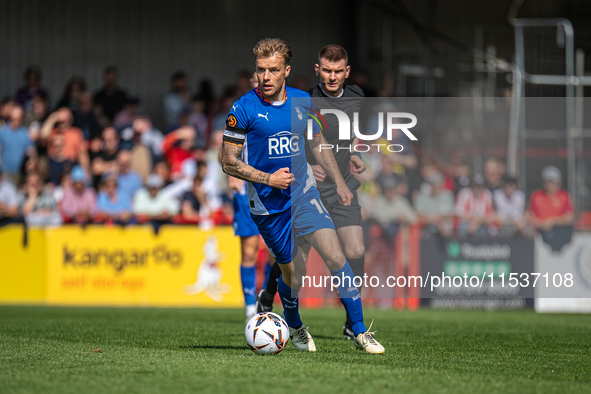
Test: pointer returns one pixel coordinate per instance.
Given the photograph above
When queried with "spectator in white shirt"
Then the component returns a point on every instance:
(185, 182)
(435, 205)
(392, 209)
(152, 204)
(510, 206)
(474, 208)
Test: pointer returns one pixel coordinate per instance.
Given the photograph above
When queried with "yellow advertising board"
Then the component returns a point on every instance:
(180, 266)
(22, 265)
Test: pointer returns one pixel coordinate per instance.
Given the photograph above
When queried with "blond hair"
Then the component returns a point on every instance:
(269, 46)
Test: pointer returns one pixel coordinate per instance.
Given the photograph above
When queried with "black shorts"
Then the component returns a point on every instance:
(341, 215)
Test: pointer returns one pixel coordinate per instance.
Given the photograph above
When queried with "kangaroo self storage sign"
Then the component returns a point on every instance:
(70, 265)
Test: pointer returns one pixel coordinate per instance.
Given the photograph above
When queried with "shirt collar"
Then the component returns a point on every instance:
(326, 94)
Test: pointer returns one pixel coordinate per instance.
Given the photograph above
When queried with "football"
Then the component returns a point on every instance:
(266, 333)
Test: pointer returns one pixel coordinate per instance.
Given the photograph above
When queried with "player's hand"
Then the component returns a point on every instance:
(281, 179)
(318, 172)
(235, 184)
(345, 195)
(358, 165)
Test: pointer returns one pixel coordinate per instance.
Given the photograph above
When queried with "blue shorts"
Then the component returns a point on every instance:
(280, 230)
(243, 224)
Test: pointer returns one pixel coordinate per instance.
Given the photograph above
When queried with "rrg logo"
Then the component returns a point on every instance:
(284, 144)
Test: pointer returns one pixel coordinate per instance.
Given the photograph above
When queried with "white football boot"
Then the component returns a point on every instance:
(301, 339)
(366, 341)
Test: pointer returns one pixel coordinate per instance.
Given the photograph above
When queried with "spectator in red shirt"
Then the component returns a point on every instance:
(551, 210)
(177, 147)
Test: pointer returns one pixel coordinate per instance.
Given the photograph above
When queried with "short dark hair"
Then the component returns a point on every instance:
(333, 53)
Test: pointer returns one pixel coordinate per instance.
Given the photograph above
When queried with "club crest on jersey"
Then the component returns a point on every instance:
(284, 144)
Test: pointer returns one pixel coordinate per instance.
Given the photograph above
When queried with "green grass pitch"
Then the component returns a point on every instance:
(50, 350)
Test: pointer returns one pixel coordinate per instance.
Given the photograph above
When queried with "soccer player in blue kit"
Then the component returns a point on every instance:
(264, 145)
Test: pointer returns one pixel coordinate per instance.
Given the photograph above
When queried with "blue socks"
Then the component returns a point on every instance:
(267, 273)
(349, 296)
(346, 290)
(290, 304)
(248, 278)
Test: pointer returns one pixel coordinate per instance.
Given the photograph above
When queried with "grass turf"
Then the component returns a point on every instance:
(50, 350)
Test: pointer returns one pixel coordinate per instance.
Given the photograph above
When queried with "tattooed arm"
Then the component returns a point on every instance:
(233, 166)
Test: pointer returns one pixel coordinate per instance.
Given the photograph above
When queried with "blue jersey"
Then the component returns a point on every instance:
(272, 137)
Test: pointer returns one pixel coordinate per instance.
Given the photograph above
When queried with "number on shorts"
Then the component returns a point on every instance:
(319, 206)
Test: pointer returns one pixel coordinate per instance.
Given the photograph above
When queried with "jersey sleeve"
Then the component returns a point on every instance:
(236, 125)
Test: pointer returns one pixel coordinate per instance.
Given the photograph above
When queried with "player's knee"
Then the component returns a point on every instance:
(249, 260)
(299, 275)
(355, 251)
(335, 260)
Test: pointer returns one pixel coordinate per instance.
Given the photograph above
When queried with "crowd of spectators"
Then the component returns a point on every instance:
(447, 200)
(97, 158)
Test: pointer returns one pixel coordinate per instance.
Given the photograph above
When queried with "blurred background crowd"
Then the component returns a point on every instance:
(96, 157)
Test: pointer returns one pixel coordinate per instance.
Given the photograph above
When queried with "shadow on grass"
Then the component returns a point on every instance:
(214, 347)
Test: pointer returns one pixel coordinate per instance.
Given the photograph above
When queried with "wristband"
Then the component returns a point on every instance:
(358, 154)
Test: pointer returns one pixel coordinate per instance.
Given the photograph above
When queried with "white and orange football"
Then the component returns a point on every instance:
(266, 333)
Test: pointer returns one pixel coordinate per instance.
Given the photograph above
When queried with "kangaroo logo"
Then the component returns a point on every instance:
(264, 116)
(209, 274)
